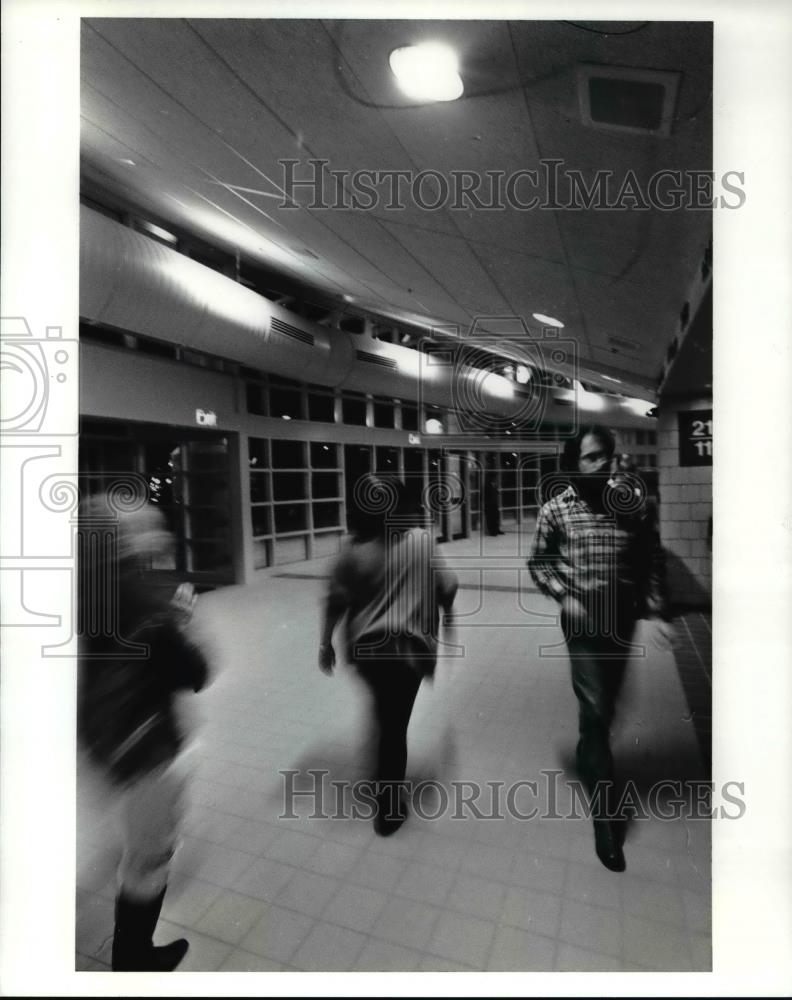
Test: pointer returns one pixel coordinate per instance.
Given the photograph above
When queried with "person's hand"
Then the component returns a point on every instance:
(183, 603)
(326, 658)
(664, 634)
(449, 628)
(574, 612)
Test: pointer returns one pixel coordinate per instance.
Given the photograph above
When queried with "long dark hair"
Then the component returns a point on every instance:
(571, 455)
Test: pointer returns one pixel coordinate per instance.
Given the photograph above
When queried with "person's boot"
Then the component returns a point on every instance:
(391, 809)
(607, 846)
(133, 950)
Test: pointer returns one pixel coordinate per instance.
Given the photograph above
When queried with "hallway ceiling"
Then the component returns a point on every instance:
(205, 109)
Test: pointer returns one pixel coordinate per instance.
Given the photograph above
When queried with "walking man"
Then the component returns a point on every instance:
(596, 551)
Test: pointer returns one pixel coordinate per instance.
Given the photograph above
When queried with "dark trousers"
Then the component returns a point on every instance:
(598, 662)
(394, 686)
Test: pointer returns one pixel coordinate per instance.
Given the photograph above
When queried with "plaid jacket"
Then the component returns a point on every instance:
(589, 554)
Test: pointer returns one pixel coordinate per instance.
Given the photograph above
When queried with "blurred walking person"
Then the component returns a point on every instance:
(135, 659)
(390, 583)
(597, 552)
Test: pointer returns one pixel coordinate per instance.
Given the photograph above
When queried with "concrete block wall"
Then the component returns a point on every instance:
(685, 510)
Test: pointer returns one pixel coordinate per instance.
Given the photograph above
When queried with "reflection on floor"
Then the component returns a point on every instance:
(252, 891)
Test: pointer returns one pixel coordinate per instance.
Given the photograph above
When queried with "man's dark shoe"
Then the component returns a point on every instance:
(385, 827)
(608, 847)
(391, 812)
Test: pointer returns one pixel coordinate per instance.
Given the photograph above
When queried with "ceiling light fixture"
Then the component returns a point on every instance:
(548, 320)
(159, 232)
(610, 379)
(427, 72)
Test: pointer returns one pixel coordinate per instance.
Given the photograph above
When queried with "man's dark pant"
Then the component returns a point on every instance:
(598, 660)
(394, 685)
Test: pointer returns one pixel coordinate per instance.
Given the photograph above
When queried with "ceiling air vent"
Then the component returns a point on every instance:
(376, 359)
(623, 99)
(287, 330)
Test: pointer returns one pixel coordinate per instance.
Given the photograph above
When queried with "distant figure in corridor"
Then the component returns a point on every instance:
(596, 551)
(390, 583)
(492, 512)
(135, 658)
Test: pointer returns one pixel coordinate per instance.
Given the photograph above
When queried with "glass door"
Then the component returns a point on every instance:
(187, 478)
(201, 511)
(456, 484)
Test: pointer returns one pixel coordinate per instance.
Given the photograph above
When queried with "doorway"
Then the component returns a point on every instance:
(187, 473)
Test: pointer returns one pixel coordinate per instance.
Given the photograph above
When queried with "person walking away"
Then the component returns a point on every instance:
(390, 583)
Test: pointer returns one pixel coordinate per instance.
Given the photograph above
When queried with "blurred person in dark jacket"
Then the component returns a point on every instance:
(135, 658)
(390, 583)
(596, 550)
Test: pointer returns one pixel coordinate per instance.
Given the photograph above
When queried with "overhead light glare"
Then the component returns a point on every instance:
(159, 232)
(523, 374)
(587, 400)
(427, 72)
(548, 320)
(608, 377)
(640, 407)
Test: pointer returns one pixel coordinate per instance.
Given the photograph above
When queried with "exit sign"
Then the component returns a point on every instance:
(695, 437)
(206, 418)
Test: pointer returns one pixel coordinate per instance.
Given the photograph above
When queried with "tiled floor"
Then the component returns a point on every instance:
(252, 891)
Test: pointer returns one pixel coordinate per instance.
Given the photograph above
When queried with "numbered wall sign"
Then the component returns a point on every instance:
(695, 437)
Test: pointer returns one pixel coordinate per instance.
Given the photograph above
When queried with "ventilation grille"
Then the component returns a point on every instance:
(625, 99)
(622, 344)
(376, 359)
(294, 332)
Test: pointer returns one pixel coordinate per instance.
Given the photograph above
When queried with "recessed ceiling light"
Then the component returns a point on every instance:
(427, 72)
(548, 320)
